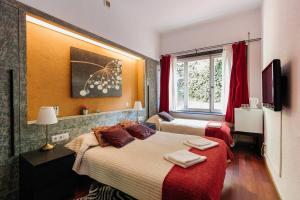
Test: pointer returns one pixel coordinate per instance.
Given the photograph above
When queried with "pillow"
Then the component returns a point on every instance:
(140, 131)
(126, 123)
(165, 116)
(117, 137)
(98, 133)
(83, 141)
(155, 119)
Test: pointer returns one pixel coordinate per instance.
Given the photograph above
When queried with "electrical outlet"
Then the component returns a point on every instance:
(60, 137)
(264, 149)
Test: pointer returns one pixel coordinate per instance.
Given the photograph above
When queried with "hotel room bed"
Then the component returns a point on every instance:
(184, 126)
(193, 127)
(140, 170)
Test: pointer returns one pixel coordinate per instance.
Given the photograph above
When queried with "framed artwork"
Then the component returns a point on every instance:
(95, 75)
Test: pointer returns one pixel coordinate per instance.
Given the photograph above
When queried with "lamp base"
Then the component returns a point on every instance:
(47, 147)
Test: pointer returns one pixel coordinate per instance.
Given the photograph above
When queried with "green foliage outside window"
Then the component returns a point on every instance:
(218, 79)
(199, 80)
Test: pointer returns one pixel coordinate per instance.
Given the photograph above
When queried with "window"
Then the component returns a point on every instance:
(198, 83)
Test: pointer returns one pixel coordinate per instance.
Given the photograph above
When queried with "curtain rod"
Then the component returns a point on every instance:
(211, 47)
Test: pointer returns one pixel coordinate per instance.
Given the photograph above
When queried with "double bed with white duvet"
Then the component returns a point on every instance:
(140, 170)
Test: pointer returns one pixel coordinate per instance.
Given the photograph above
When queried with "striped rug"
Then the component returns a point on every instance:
(104, 192)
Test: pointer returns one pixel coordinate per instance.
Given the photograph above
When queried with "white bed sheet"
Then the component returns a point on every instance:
(184, 126)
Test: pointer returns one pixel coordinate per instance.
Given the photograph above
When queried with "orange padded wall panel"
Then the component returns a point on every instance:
(49, 75)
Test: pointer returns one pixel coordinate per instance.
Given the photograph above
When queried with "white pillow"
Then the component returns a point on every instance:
(83, 141)
(156, 120)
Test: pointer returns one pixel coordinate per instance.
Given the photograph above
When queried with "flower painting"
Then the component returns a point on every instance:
(95, 75)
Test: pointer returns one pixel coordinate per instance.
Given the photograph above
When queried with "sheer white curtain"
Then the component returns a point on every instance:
(227, 57)
(172, 84)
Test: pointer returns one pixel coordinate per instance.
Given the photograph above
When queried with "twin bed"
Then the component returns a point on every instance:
(193, 127)
(140, 170)
(184, 126)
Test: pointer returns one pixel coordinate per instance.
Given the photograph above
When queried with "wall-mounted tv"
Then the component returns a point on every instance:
(271, 86)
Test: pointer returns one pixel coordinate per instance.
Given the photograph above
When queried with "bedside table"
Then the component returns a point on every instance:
(249, 122)
(149, 125)
(47, 174)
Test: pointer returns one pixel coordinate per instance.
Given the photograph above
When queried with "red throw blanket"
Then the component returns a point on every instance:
(202, 181)
(222, 133)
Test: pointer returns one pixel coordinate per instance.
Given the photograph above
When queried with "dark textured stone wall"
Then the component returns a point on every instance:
(33, 136)
(9, 100)
(30, 136)
(151, 87)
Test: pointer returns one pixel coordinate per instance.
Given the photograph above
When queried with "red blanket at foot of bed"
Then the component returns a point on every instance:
(222, 133)
(203, 181)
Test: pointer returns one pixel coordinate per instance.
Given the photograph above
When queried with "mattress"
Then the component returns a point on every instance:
(138, 168)
(184, 126)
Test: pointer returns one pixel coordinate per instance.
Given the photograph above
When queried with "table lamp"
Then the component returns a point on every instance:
(46, 117)
(137, 106)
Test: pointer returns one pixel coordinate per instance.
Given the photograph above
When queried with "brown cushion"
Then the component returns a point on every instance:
(165, 116)
(117, 137)
(126, 123)
(98, 133)
(140, 131)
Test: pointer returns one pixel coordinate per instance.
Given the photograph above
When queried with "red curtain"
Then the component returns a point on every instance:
(238, 89)
(165, 64)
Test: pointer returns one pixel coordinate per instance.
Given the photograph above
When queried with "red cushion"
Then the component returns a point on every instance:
(117, 137)
(140, 131)
(98, 133)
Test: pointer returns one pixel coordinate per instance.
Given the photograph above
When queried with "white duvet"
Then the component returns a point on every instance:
(184, 126)
(137, 169)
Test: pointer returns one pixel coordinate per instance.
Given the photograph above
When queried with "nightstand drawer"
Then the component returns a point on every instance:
(50, 173)
(248, 120)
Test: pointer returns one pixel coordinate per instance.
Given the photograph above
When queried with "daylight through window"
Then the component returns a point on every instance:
(198, 83)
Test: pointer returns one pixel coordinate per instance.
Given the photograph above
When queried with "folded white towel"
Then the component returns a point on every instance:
(184, 158)
(209, 145)
(214, 124)
(203, 158)
(200, 141)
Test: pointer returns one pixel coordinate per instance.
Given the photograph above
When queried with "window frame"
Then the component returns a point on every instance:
(185, 61)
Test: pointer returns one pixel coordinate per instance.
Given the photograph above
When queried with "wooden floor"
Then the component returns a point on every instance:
(247, 177)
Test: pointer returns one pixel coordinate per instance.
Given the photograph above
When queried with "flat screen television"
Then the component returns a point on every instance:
(271, 86)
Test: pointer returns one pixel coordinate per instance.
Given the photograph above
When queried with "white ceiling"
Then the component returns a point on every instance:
(165, 15)
(136, 24)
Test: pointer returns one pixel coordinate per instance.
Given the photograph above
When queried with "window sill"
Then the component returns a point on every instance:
(198, 112)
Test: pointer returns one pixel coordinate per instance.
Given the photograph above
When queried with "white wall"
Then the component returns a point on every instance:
(281, 33)
(220, 31)
(118, 24)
